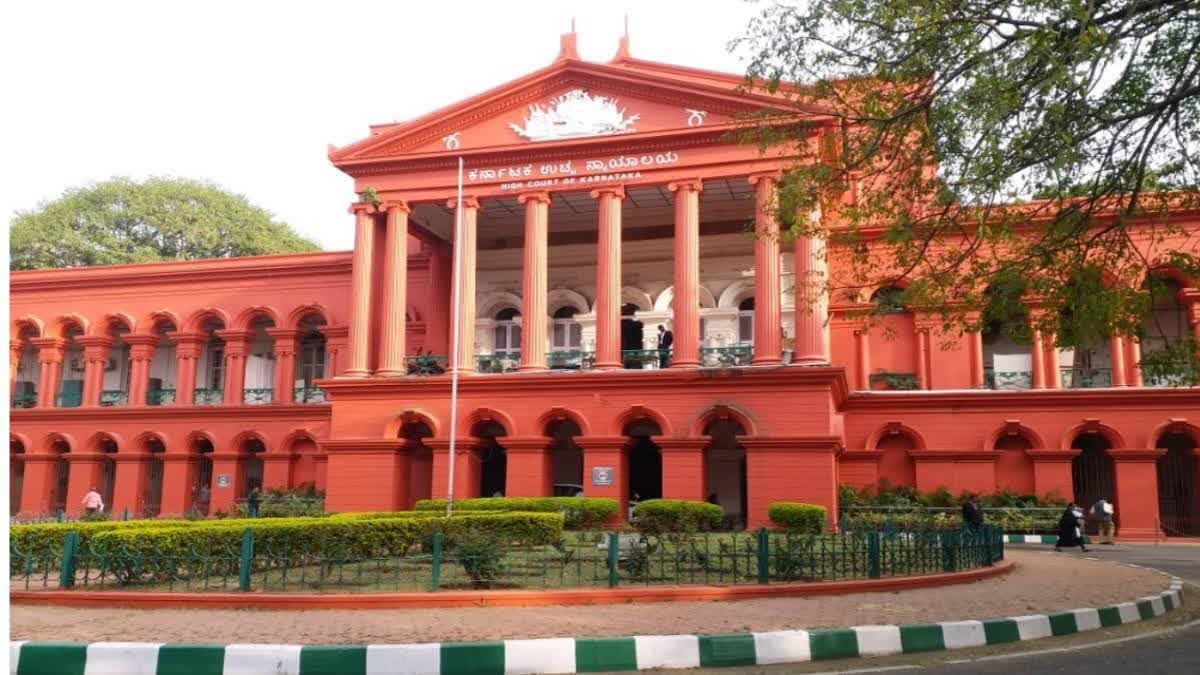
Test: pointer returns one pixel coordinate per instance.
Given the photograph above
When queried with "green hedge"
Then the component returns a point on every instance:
(579, 512)
(662, 516)
(32, 539)
(798, 517)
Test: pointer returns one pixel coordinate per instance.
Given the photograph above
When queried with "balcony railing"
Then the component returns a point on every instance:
(425, 365)
(726, 357)
(571, 360)
(257, 396)
(70, 400)
(497, 363)
(160, 397)
(308, 395)
(1086, 378)
(209, 396)
(645, 359)
(24, 400)
(114, 397)
(1007, 379)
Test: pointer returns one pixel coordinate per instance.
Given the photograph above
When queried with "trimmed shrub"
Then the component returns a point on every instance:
(480, 553)
(579, 512)
(666, 516)
(798, 517)
(33, 539)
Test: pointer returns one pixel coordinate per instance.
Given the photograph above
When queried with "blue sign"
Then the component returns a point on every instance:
(602, 475)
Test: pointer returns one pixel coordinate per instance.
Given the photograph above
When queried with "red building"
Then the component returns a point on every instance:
(606, 200)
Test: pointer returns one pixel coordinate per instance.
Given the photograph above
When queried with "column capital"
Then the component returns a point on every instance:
(48, 344)
(362, 209)
(94, 341)
(283, 333)
(616, 191)
(771, 177)
(231, 335)
(467, 202)
(141, 340)
(397, 206)
(537, 196)
(181, 339)
(688, 185)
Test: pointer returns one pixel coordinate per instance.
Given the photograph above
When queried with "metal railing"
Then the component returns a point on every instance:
(571, 360)
(645, 359)
(497, 363)
(308, 395)
(24, 400)
(160, 397)
(1085, 378)
(209, 397)
(1002, 379)
(425, 365)
(114, 398)
(579, 560)
(736, 356)
(257, 396)
(70, 400)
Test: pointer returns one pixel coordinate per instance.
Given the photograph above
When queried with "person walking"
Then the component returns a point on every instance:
(665, 339)
(252, 502)
(93, 502)
(1102, 513)
(972, 514)
(1069, 534)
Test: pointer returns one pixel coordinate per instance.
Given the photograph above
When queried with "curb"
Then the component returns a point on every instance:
(573, 655)
(1037, 539)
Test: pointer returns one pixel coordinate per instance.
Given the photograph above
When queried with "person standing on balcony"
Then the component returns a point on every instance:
(1102, 513)
(665, 339)
(93, 502)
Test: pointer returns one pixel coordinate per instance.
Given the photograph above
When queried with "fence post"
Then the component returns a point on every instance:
(614, 557)
(764, 556)
(66, 578)
(435, 576)
(246, 560)
(873, 564)
(949, 557)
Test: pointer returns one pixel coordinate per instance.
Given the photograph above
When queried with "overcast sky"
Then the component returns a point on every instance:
(248, 94)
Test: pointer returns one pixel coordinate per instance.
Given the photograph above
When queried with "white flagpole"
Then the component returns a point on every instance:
(454, 305)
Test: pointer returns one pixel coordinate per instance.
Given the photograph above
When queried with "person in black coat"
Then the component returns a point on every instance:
(972, 514)
(1069, 533)
(665, 339)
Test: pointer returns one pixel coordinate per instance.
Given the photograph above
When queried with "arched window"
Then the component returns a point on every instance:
(1007, 356)
(210, 372)
(161, 387)
(70, 389)
(566, 334)
(1164, 329)
(29, 370)
(508, 332)
(745, 325)
(310, 367)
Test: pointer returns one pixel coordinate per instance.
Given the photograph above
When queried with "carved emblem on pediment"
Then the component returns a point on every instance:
(572, 115)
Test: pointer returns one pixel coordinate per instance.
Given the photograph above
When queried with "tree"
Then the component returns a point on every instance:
(124, 221)
(923, 130)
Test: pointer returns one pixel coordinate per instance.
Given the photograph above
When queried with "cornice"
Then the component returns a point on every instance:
(363, 445)
(954, 455)
(793, 444)
(284, 411)
(982, 399)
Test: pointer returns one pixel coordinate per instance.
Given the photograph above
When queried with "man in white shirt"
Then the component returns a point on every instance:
(1102, 513)
(93, 502)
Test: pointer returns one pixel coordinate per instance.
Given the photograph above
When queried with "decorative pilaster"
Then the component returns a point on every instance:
(533, 281)
(95, 357)
(924, 376)
(683, 468)
(50, 357)
(15, 348)
(528, 472)
(395, 291)
(605, 469)
(179, 483)
(337, 346)
(237, 344)
(1116, 351)
(1133, 361)
(188, 347)
(141, 355)
(130, 486)
(464, 260)
(360, 303)
(608, 279)
(812, 301)
(1037, 357)
(686, 299)
(768, 338)
(862, 361)
(1135, 473)
(286, 340)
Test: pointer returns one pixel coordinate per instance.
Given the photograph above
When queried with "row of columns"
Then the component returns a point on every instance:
(811, 330)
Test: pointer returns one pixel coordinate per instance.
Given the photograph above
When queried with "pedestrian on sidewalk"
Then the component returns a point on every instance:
(92, 502)
(252, 502)
(972, 514)
(1102, 513)
(1069, 534)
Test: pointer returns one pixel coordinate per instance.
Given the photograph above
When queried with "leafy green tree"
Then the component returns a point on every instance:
(125, 221)
(928, 127)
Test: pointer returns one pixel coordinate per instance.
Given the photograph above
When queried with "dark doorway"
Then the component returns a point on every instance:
(108, 472)
(152, 499)
(645, 461)
(493, 460)
(632, 334)
(1178, 508)
(1092, 473)
(566, 458)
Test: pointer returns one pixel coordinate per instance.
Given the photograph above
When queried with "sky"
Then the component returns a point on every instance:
(249, 94)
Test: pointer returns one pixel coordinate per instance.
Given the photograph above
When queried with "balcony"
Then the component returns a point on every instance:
(24, 400)
(160, 397)
(209, 396)
(308, 395)
(72, 399)
(497, 363)
(737, 356)
(114, 397)
(257, 396)
(425, 365)
(1007, 380)
(1085, 378)
(571, 360)
(645, 359)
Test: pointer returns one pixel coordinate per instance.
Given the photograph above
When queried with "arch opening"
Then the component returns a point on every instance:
(311, 364)
(210, 367)
(1178, 505)
(725, 471)
(1092, 474)
(566, 458)
(490, 459)
(160, 389)
(16, 475)
(420, 461)
(70, 383)
(258, 387)
(644, 461)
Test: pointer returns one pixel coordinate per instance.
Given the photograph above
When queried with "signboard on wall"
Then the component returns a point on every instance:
(602, 475)
(223, 480)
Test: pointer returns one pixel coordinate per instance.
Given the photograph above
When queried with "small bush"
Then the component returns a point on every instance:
(668, 516)
(579, 513)
(797, 517)
(480, 553)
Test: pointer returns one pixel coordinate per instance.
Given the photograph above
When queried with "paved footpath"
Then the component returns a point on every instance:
(1041, 583)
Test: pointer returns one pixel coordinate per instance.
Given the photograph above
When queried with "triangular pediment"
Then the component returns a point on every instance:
(568, 101)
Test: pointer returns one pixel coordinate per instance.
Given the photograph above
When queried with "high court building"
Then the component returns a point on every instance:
(600, 202)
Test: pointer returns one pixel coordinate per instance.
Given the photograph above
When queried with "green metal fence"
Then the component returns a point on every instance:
(257, 396)
(208, 396)
(160, 397)
(645, 359)
(114, 397)
(425, 365)
(308, 395)
(726, 357)
(24, 400)
(1000, 379)
(581, 560)
(1085, 378)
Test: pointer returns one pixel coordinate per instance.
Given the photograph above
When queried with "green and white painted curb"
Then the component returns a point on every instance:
(1037, 539)
(571, 655)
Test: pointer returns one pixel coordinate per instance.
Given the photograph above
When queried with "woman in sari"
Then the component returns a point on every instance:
(1069, 533)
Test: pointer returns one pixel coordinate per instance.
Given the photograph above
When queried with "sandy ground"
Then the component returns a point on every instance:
(1043, 582)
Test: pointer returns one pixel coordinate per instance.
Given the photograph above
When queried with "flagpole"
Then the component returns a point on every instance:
(454, 308)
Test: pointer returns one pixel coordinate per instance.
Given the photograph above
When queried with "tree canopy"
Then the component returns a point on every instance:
(967, 146)
(125, 221)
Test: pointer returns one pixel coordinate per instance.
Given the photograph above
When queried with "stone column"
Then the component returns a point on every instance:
(683, 474)
(1116, 350)
(141, 355)
(41, 474)
(534, 316)
(336, 341)
(130, 488)
(466, 468)
(225, 498)
(464, 260)
(1133, 362)
(395, 291)
(792, 469)
(360, 303)
(15, 347)
(768, 336)
(975, 349)
(528, 471)
(686, 299)
(608, 279)
(924, 376)
(364, 474)
(50, 357)
(1136, 474)
(604, 458)
(862, 351)
(286, 340)
(179, 479)
(188, 347)
(95, 357)
(1052, 363)
(812, 301)
(237, 344)
(1037, 357)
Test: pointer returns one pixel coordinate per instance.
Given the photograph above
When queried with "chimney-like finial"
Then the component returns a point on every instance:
(623, 44)
(568, 49)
